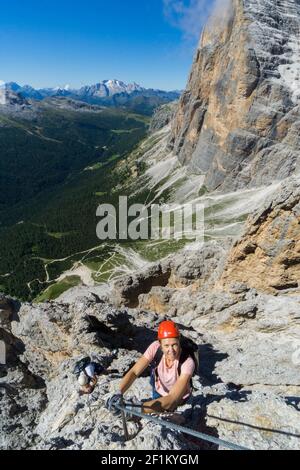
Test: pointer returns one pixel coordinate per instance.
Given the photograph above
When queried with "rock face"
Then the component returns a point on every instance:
(47, 412)
(238, 396)
(256, 420)
(22, 393)
(163, 116)
(174, 272)
(239, 118)
(267, 257)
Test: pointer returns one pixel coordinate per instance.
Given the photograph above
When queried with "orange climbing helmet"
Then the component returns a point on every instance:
(168, 329)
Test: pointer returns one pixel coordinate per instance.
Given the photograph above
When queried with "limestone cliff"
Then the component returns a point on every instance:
(267, 256)
(239, 118)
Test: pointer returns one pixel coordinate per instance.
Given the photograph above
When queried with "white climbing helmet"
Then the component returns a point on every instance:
(83, 379)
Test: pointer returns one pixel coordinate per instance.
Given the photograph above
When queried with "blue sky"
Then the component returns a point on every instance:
(51, 43)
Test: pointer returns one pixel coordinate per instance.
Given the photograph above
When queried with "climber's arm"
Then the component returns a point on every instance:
(133, 374)
(172, 400)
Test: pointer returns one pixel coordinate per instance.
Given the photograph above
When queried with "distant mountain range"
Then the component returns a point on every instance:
(102, 89)
(106, 89)
(106, 93)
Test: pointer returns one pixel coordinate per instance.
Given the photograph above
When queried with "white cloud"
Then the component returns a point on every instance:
(222, 11)
(187, 15)
(191, 15)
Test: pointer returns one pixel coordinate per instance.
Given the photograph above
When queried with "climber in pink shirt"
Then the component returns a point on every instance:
(173, 366)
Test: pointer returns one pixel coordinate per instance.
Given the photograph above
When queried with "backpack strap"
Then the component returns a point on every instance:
(185, 354)
(156, 361)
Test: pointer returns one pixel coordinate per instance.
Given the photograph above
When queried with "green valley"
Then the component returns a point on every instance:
(49, 198)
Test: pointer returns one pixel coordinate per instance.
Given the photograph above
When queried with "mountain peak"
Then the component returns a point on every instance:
(63, 88)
